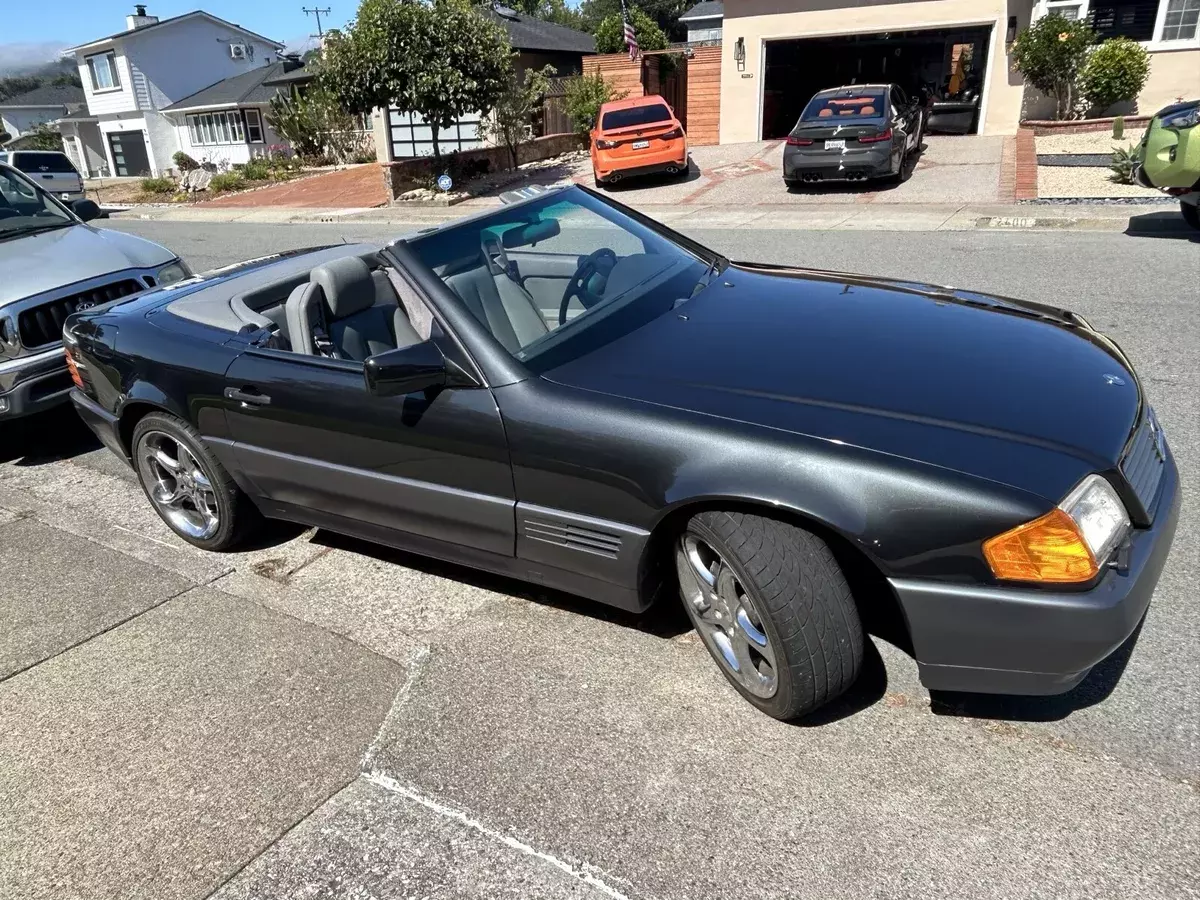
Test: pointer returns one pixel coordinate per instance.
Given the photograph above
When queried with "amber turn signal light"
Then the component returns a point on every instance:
(74, 370)
(1049, 549)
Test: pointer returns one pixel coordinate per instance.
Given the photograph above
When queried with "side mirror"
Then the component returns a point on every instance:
(86, 209)
(406, 370)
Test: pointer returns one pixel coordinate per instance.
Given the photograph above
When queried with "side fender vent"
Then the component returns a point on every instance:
(588, 540)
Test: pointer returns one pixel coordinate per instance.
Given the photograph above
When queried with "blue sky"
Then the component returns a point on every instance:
(29, 35)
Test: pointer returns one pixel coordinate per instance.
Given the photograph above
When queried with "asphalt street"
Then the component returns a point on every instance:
(318, 717)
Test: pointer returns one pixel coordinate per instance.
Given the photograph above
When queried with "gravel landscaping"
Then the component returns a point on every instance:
(1055, 182)
(1086, 141)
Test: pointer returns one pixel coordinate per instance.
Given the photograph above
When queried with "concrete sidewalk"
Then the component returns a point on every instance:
(1109, 217)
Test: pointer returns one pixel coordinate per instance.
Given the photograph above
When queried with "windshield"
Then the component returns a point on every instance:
(557, 277)
(868, 104)
(652, 114)
(25, 208)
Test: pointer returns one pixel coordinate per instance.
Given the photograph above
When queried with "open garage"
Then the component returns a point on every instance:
(945, 63)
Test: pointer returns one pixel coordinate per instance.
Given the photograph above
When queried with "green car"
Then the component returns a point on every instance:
(1169, 157)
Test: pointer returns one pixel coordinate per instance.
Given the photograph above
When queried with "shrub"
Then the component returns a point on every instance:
(314, 123)
(256, 170)
(1122, 164)
(515, 109)
(183, 162)
(158, 186)
(44, 137)
(1115, 71)
(227, 181)
(1050, 54)
(1118, 128)
(364, 155)
(584, 96)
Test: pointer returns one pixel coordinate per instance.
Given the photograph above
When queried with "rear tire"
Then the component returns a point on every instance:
(189, 489)
(1191, 213)
(772, 606)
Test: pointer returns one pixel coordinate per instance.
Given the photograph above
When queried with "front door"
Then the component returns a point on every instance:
(129, 153)
(429, 466)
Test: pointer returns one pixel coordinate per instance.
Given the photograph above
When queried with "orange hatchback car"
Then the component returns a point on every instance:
(637, 136)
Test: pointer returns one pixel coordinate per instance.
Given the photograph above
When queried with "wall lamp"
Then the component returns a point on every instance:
(1011, 35)
(739, 53)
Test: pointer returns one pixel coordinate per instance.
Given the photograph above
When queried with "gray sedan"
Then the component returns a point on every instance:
(54, 264)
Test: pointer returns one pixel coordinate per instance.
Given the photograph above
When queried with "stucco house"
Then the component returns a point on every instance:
(777, 53)
(19, 115)
(131, 78)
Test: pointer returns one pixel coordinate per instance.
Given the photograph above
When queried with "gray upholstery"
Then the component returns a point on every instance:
(356, 308)
(502, 305)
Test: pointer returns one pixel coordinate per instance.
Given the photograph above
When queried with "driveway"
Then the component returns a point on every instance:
(318, 717)
(950, 170)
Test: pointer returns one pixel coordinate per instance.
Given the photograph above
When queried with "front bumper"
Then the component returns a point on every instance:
(33, 383)
(818, 164)
(1011, 640)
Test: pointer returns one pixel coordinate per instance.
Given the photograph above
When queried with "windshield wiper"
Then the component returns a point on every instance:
(20, 232)
(714, 269)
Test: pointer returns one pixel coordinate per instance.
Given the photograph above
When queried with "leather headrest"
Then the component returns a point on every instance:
(346, 284)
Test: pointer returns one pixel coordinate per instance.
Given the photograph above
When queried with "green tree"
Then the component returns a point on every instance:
(18, 84)
(584, 95)
(1114, 72)
(610, 33)
(1050, 54)
(665, 13)
(441, 59)
(43, 137)
(556, 11)
(515, 109)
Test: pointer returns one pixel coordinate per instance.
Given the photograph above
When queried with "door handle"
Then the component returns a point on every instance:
(248, 397)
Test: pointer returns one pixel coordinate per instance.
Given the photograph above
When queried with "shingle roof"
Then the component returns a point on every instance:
(528, 33)
(247, 87)
(168, 21)
(707, 9)
(48, 95)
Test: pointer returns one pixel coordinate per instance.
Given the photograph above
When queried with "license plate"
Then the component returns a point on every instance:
(642, 145)
(835, 145)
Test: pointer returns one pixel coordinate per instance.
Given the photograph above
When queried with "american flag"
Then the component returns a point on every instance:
(630, 37)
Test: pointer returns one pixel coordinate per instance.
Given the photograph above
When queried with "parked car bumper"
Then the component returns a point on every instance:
(673, 158)
(1011, 640)
(30, 384)
(818, 164)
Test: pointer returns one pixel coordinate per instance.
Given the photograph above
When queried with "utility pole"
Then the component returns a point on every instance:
(316, 11)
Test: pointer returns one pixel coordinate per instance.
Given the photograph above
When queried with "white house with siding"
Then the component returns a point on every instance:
(132, 77)
(21, 114)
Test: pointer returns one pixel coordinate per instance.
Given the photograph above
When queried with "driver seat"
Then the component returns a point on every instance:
(506, 308)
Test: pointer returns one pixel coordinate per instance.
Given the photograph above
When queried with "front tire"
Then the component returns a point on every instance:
(189, 489)
(1191, 213)
(772, 606)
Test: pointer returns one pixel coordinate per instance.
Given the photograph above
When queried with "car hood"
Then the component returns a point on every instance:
(1015, 392)
(53, 259)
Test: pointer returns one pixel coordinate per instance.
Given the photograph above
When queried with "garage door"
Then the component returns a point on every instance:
(936, 61)
(129, 153)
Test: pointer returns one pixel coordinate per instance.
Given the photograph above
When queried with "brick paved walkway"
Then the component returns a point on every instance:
(358, 187)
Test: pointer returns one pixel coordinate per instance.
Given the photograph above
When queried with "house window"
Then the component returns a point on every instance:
(103, 69)
(1069, 11)
(207, 129)
(1124, 18)
(1180, 23)
(254, 126)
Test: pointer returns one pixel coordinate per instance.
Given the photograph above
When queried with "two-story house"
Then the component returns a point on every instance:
(131, 77)
(21, 114)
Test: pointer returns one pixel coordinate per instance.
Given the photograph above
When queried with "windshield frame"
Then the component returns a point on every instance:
(497, 364)
(48, 200)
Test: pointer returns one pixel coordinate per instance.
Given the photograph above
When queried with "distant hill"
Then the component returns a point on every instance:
(18, 81)
(40, 60)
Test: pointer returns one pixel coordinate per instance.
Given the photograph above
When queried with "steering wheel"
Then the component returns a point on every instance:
(577, 286)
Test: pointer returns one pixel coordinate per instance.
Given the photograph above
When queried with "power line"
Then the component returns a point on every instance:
(316, 11)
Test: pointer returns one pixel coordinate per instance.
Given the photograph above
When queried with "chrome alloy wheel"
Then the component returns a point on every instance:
(725, 616)
(178, 486)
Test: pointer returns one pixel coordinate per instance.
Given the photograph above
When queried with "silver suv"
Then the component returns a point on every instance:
(50, 170)
(52, 264)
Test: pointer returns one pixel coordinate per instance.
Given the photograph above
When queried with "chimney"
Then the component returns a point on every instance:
(139, 19)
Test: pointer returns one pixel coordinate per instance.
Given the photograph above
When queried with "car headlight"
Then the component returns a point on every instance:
(1183, 118)
(1067, 545)
(172, 273)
